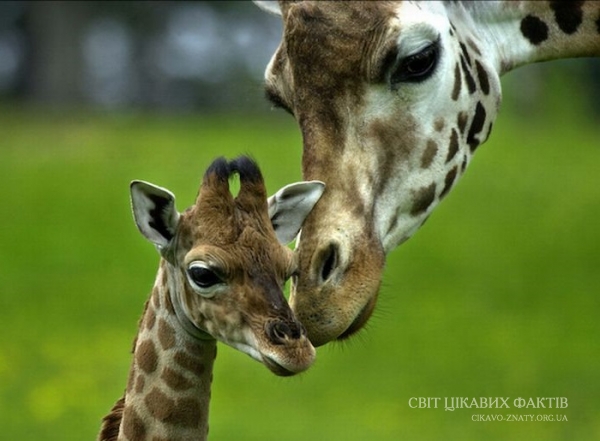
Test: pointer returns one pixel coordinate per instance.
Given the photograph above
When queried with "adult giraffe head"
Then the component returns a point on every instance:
(392, 99)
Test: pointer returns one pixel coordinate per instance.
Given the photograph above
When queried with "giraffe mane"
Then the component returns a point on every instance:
(111, 423)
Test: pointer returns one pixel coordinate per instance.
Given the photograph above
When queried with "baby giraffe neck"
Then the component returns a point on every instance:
(168, 391)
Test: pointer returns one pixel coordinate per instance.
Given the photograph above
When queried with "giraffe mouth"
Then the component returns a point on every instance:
(270, 361)
(276, 368)
(360, 320)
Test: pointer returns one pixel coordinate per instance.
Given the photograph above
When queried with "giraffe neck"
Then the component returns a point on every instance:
(168, 391)
(515, 33)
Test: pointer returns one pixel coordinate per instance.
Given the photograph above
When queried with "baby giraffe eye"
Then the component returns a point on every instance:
(203, 279)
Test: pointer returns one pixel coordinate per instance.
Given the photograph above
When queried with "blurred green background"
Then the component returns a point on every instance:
(496, 296)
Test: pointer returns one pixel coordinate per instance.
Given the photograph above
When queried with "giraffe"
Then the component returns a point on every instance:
(393, 98)
(222, 268)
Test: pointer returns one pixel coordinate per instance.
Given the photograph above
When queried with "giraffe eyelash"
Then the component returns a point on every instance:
(416, 67)
(204, 279)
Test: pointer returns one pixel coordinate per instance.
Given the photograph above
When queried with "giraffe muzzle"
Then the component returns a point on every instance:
(337, 288)
(280, 332)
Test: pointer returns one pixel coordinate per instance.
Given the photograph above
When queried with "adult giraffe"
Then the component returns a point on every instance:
(393, 98)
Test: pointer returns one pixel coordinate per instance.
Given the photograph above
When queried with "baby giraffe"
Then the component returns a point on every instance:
(221, 275)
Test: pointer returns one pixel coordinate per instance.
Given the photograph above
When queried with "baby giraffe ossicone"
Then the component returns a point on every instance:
(221, 276)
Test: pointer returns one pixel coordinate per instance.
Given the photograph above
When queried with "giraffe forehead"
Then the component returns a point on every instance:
(342, 41)
(250, 251)
(332, 53)
(345, 33)
(225, 224)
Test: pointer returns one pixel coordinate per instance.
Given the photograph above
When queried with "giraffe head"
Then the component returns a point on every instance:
(392, 99)
(227, 260)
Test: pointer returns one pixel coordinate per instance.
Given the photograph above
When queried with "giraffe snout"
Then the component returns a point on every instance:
(280, 332)
(288, 351)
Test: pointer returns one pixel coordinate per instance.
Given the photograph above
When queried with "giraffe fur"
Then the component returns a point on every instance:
(393, 99)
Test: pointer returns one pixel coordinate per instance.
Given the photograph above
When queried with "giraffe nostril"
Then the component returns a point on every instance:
(329, 262)
(280, 332)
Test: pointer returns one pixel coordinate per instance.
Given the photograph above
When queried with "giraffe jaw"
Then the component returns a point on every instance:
(360, 321)
(276, 368)
(283, 361)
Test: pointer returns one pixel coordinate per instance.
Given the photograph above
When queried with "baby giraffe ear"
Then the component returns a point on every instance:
(289, 207)
(154, 212)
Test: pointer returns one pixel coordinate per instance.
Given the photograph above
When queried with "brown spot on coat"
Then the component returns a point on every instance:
(187, 414)
(156, 293)
(424, 197)
(140, 381)
(461, 121)
(429, 153)
(467, 73)
(489, 132)
(465, 53)
(169, 305)
(184, 412)
(394, 142)
(439, 124)
(534, 29)
(476, 126)
(145, 356)
(390, 140)
(150, 317)
(159, 405)
(484, 81)
(449, 181)
(453, 146)
(175, 380)
(133, 426)
(568, 15)
(166, 334)
(457, 82)
(192, 364)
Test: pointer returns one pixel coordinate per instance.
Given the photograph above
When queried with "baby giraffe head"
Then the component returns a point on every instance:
(227, 263)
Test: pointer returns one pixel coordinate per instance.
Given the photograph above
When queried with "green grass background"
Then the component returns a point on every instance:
(497, 296)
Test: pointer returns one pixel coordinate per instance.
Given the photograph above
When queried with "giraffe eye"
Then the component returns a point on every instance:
(417, 67)
(203, 278)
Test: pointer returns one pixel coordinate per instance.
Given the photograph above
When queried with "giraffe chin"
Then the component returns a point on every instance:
(295, 358)
(360, 321)
(276, 368)
(338, 308)
(288, 364)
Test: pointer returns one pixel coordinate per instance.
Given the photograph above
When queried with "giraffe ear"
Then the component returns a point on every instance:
(154, 212)
(289, 207)
(270, 6)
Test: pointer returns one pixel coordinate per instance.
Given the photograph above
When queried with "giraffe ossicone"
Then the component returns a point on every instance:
(223, 267)
(393, 98)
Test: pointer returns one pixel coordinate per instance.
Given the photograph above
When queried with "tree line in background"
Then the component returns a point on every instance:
(178, 55)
